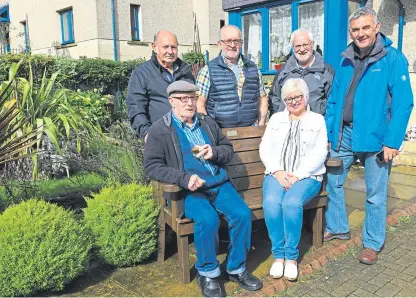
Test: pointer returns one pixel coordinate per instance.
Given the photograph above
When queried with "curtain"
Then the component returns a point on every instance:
(252, 31)
(311, 16)
(280, 29)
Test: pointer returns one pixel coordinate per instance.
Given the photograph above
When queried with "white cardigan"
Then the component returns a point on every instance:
(313, 144)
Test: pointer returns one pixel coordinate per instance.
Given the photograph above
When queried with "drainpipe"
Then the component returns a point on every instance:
(402, 22)
(113, 14)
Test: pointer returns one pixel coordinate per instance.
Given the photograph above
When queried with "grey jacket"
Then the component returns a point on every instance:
(318, 77)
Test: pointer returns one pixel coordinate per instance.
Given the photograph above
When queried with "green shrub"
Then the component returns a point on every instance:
(42, 247)
(85, 74)
(123, 220)
(193, 58)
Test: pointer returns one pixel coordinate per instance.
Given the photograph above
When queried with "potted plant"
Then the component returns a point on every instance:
(280, 61)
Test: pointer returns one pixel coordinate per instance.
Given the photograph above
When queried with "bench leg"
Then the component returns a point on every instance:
(161, 240)
(317, 227)
(183, 255)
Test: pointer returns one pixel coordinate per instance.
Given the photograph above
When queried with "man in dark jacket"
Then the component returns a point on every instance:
(147, 100)
(189, 150)
(309, 65)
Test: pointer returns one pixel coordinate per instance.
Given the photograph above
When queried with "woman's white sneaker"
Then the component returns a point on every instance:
(291, 271)
(276, 271)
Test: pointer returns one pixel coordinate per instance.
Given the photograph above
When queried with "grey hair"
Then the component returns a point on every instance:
(300, 30)
(292, 85)
(362, 12)
(226, 27)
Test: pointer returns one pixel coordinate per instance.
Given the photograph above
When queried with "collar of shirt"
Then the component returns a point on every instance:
(183, 125)
(240, 62)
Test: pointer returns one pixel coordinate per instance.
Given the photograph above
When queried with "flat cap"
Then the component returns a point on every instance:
(181, 86)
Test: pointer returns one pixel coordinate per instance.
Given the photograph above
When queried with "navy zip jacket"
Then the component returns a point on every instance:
(147, 98)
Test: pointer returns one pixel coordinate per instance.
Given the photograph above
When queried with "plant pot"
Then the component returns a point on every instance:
(278, 66)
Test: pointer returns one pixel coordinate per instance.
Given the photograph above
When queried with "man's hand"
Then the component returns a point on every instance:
(389, 153)
(195, 182)
(283, 178)
(205, 151)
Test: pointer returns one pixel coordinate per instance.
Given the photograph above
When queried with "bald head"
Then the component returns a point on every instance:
(229, 30)
(163, 34)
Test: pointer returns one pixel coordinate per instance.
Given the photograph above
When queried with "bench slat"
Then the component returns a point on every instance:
(244, 132)
(246, 144)
(246, 170)
(250, 182)
(245, 157)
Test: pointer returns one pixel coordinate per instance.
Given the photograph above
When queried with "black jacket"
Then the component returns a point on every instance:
(147, 98)
(163, 157)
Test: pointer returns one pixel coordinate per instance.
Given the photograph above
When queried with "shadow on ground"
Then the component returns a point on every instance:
(163, 279)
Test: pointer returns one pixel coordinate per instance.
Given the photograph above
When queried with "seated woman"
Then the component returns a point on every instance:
(293, 150)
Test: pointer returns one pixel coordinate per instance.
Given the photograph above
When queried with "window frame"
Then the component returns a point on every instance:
(235, 18)
(135, 13)
(70, 24)
(26, 36)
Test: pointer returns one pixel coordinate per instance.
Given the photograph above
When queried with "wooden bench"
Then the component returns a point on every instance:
(246, 172)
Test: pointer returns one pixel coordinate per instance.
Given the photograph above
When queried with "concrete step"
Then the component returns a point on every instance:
(405, 159)
(409, 146)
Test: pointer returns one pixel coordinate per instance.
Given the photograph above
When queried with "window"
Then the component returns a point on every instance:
(4, 14)
(252, 33)
(67, 28)
(134, 21)
(311, 16)
(26, 35)
(280, 30)
(222, 23)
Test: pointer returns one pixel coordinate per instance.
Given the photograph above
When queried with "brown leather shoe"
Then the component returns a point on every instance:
(340, 236)
(368, 256)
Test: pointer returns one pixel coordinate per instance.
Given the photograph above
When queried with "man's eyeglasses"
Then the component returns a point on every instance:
(185, 99)
(291, 100)
(306, 46)
(228, 42)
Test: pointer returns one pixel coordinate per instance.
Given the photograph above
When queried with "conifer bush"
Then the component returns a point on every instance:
(42, 247)
(123, 219)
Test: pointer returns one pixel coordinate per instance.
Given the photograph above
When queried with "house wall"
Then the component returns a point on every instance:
(44, 26)
(93, 26)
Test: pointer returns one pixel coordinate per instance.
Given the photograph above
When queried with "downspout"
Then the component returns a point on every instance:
(113, 14)
(402, 22)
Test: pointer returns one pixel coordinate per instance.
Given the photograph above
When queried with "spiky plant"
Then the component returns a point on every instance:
(14, 144)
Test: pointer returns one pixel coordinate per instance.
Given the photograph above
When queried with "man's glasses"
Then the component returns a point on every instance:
(306, 46)
(291, 100)
(228, 42)
(185, 99)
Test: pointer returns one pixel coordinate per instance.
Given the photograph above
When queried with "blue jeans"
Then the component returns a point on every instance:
(203, 208)
(376, 179)
(283, 213)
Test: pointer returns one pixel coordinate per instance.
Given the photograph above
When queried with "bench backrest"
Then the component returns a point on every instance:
(246, 169)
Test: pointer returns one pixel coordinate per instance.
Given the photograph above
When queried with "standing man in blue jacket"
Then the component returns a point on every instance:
(367, 112)
(231, 86)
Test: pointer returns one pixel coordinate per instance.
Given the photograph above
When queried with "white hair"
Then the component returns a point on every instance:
(293, 85)
(300, 30)
(362, 12)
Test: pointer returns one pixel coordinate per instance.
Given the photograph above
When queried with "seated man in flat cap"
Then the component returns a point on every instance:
(189, 150)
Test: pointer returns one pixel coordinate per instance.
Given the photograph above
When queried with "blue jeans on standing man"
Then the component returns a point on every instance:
(283, 213)
(376, 179)
(203, 206)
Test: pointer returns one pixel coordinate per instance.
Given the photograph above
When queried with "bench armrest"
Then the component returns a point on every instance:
(169, 187)
(333, 162)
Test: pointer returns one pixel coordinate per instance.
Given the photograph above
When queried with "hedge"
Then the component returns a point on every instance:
(85, 74)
